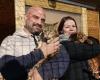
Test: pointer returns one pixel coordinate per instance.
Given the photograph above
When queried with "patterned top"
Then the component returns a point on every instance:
(20, 43)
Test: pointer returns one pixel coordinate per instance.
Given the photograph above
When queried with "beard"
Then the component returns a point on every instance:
(37, 29)
(34, 29)
(36, 33)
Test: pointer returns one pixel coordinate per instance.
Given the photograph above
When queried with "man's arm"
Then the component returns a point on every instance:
(27, 61)
(81, 51)
(33, 57)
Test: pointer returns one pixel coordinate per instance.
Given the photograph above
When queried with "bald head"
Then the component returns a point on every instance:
(35, 9)
(35, 18)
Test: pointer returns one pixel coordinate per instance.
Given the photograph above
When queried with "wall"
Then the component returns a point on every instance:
(19, 13)
(93, 23)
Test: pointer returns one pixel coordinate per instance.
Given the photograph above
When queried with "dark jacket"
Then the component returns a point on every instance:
(79, 54)
(28, 61)
(53, 68)
(15, 68)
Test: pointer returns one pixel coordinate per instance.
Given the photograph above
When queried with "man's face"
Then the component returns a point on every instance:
(35, 20)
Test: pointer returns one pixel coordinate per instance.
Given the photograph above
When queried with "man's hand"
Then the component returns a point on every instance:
(51, 48)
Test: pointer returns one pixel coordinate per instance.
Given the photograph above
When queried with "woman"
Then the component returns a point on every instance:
(80, 50)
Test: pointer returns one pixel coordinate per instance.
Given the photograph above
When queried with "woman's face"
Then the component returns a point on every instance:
(69, 27)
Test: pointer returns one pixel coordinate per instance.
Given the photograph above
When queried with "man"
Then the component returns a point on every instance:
(25, 41)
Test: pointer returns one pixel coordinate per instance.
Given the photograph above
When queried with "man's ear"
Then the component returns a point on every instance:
(27, 16)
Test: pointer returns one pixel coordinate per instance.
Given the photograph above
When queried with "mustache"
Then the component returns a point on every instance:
(39, 25)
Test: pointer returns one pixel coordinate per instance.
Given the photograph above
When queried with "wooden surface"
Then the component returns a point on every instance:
(59, 6)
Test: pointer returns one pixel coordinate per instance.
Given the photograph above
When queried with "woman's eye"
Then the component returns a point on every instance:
(74, 26)
(66, 26)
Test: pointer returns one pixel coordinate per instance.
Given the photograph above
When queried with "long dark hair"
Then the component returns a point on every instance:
(61, 24)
